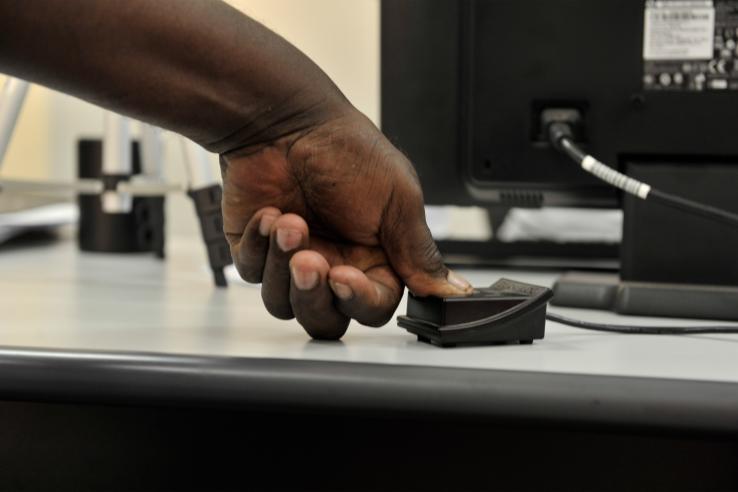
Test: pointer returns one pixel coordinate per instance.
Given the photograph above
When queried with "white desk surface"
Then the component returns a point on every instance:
(54, 297)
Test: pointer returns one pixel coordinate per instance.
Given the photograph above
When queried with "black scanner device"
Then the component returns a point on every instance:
(506, 312)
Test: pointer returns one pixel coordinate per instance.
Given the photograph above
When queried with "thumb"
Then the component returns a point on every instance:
(412, 252)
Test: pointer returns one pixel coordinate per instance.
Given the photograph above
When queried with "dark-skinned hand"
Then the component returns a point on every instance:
(318, 206)
(330, 221)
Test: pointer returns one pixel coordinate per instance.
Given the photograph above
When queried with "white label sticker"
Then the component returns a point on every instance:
(679, 30)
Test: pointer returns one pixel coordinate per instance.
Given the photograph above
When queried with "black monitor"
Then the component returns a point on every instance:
(464, 84)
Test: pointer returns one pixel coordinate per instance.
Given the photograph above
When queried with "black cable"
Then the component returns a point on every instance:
(560, 135)
(685, 205)
(641, 330)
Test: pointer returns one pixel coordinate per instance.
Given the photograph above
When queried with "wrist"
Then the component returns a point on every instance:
(272, 122)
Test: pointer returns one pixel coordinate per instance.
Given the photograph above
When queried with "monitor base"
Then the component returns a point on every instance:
(530, 255)
(609, 292)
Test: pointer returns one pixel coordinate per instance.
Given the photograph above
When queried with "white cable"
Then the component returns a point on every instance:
(616, 179)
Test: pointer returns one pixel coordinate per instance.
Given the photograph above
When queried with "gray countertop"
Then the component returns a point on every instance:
(75, 325)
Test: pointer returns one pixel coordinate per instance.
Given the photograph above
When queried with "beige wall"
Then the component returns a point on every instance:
(342, 36)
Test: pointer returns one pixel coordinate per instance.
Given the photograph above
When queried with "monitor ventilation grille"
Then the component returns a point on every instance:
(522, 198)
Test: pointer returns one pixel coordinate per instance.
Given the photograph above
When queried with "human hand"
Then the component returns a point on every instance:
(331, 221)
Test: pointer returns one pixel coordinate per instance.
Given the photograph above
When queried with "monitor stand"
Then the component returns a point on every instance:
(592, 290)
(672, 264)
(528, 254)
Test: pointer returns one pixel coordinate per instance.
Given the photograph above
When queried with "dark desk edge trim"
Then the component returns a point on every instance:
(244, 383)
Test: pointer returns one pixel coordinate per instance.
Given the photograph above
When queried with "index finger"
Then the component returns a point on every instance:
(249, 250)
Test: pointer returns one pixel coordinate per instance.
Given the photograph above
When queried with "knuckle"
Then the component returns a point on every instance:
(325, 331)
(432, 259)
(371, 314)
(415, 194)
(249, 275)
(420, 286)
(249, 270)
(279, 308)
(377, 321)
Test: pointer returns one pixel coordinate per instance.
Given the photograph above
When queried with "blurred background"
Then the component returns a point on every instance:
(342, 37)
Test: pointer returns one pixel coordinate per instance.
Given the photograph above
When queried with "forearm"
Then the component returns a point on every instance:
(197, 67)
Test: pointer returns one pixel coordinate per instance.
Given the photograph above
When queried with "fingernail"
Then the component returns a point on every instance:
(458, 281)
(288, 239)
(343, 291)
(265, 226)
(304, 280)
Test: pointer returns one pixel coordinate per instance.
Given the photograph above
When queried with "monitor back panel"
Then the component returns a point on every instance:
(464, 84)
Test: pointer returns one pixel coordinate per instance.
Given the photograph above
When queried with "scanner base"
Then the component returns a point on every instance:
(506, 312)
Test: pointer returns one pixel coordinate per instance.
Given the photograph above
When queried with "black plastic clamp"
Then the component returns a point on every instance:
(209, 210)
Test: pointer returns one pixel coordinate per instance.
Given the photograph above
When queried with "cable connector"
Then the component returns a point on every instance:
(558, 123)
(557, 132)
(560, 134)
